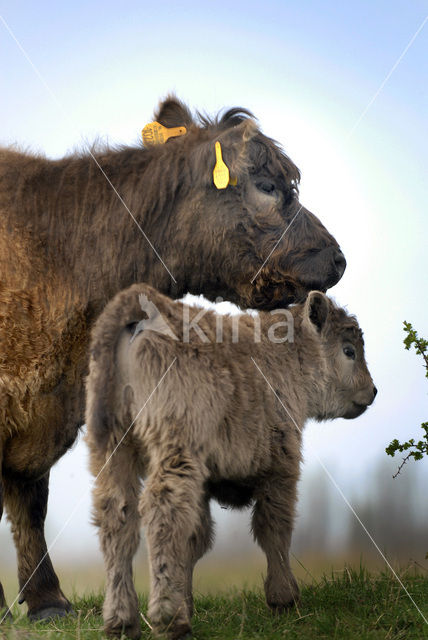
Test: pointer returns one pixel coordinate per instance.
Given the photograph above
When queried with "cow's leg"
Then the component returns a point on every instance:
(4, 611)
(116, 495)
(26, 503)
(171, 510)
(273, 518)
(200, 542)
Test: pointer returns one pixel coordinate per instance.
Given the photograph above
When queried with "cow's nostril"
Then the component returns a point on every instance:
(340, 262)
(374, 392)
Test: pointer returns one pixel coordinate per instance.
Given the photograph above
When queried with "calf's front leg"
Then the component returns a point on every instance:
(171, 510)
(273, 518)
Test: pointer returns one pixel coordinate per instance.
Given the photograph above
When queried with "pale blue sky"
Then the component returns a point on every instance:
(307, 70)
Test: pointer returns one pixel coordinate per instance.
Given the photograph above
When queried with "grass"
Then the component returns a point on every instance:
(347, 604)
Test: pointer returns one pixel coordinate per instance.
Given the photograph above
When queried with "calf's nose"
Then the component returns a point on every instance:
(374, 394)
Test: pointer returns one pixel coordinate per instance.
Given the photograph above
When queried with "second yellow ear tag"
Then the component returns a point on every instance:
(221, 172)
(155, 133)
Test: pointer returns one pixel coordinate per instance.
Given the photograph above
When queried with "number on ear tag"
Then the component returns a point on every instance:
(155, 133)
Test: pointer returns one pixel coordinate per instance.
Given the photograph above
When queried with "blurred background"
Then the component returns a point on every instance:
(330, 82)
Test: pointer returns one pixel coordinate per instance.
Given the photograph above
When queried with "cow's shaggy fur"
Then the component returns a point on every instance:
(203, 419)
(67, 245)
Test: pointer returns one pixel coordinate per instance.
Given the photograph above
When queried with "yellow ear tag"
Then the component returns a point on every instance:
(155, 133)
(221, 172)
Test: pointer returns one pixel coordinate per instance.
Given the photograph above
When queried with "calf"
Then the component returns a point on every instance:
(204, 406)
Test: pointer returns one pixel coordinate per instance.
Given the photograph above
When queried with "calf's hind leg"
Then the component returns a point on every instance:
(273, 518)
(26, 503)
(116, 496)
(171, 509)
(200, 542)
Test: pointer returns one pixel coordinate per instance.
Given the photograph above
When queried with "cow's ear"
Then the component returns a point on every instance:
(233, 149)
(315, 312)
(173, 113)
(234, 143)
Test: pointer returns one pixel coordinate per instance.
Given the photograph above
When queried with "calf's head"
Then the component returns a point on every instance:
(343, 386)
(251, 242)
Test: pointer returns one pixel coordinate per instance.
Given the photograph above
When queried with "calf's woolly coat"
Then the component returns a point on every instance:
(203, 419)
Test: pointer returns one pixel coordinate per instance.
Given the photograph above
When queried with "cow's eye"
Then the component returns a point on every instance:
(349, 352)
(267, 186)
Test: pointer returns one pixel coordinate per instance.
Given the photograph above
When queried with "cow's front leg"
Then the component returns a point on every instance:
(4, 610)
(26, 503)
(171, 510)
(273, 518)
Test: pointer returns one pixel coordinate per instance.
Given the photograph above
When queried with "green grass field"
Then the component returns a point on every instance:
(346, 604)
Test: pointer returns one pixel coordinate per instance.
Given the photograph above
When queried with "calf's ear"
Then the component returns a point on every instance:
(315, 312)
(173, 113)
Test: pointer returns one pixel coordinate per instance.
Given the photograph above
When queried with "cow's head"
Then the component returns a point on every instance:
(251, 242)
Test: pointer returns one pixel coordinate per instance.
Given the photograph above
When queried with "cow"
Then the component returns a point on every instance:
(75, 231)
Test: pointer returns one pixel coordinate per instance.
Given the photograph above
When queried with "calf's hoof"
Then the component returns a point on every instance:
(173, 631)
(131, 630)
(179, 632)
(170, 619)
(281, 607)
(280, 600)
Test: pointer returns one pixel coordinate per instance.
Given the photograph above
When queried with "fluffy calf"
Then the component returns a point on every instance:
(200, 408)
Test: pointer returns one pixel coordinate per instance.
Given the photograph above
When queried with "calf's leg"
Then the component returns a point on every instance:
(171, 510)
(273, 518)
(200, 542)
(116, 496)
(26, 503)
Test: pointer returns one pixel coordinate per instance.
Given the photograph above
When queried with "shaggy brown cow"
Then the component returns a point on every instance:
(198, 419)
(68, 244)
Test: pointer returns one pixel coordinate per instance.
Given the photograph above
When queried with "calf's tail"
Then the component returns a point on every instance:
(102, 423)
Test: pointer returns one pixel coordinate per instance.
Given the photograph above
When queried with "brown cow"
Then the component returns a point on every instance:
(68, 244)
(198, 417)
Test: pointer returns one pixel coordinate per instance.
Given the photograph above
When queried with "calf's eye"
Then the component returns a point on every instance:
(349, 352)
(266, 186)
